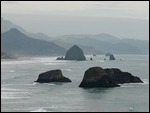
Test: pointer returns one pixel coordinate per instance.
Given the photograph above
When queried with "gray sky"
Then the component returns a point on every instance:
(124, 19)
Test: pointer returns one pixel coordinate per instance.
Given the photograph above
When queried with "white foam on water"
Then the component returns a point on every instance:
(54, 63)
(6, 97)
(11, 93)
(130, 109)
(146, 82)
(12, 71)
(49, 84)
(125, 85)
(102, 61)
(34, 83)
(39, 110)
(67, 70)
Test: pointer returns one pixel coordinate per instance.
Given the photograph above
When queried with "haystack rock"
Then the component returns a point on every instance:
(52, 76)
(75, 53)
(108, 54)
(99, 77)
(111, 57)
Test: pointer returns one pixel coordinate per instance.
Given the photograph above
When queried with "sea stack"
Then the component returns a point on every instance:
(75, 53)
(111, 57)
(52, 76)
(99, 77)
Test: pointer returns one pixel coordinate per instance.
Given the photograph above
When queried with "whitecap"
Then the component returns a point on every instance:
(49, 84)
(39, 110)
(146, 81)
(9, 89)
(102, 61)
(34, 83)
(126, 86)
(67, 69)
(52, 63)
(130, 109)
(10, 97)
(12, 71)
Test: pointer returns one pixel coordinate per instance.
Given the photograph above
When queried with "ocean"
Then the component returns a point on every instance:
(19, 92)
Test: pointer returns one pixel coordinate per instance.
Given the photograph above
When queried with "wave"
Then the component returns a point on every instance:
(12, 71)
(39, 110)
(28, 61)
(52, 63)
(10, 97)
(14, 95)
(34, 83)
(49, 84)
(102, 61)
(67, 69)
(146, 82)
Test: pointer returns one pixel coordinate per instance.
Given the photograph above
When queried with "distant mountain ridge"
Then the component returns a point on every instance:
(18, 44)
(108, 43)
(98, 44)
(114, 46)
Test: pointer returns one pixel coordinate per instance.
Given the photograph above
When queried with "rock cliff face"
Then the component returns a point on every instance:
(98, 77)
(52, 76)
(75, 53)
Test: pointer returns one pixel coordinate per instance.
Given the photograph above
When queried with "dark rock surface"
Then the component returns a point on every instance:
(91, 59)
(122, 77)
(99, 77)
(75, 53)
(52, 76)
(111, 57)
(108, 54)
(60, 58)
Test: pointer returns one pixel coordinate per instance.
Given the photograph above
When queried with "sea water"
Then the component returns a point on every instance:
(19, 92)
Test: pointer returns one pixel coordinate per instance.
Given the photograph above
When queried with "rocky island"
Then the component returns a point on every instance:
(111, 56)
(52, 76)
(99, 77)
(74, 53)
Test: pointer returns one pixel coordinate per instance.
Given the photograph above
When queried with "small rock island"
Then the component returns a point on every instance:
(52, 76)
(111, 56)
(99, 77)
(74, 53)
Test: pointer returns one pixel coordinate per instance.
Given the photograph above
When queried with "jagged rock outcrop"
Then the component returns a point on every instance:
(75, 53)
(99, 77)
(52, 76)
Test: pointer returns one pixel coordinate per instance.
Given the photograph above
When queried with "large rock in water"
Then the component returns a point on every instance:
(75, 53)
(98, 77)
(111, 57)
(52, 76)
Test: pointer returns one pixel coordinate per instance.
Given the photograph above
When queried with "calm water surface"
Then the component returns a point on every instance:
(19, 92)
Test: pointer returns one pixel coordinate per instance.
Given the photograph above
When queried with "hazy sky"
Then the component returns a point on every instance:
(124, 19)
